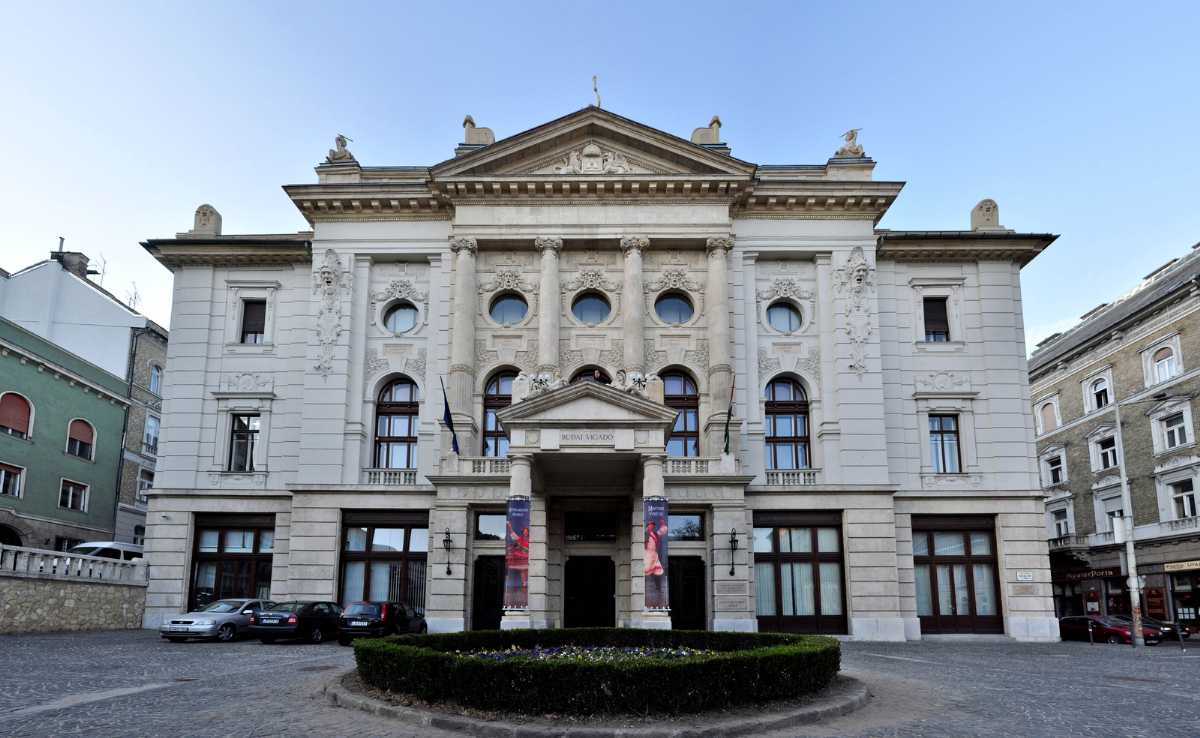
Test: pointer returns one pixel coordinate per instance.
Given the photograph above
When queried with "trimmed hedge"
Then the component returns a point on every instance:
(746, 668)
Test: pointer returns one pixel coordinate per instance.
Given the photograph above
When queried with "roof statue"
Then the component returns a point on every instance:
(207, 222)
(473, 136)
(596, 88)
(710, 134)
(340, 152)
(985, 216)
(851, 149)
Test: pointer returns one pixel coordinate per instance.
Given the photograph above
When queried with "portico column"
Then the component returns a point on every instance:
(549, 305)
(462, 341)
(530, 573)
(720, 368)
(652, 486)
(633, 305)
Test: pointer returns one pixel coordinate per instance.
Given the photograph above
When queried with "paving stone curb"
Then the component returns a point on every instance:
(847, 694)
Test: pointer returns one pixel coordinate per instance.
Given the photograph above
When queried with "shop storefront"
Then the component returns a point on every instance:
(1185, 591)
(1089, 592)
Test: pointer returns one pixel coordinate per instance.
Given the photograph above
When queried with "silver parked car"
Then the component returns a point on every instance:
(222, 620)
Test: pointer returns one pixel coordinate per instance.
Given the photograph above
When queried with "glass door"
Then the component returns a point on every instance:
(956, 581)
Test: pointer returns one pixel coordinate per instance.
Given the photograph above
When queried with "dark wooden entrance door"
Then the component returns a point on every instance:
(589, 589)
(686, 574)
(487, 593)
(956, 575)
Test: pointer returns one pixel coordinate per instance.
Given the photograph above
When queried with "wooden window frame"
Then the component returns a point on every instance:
(17, 473)
(954, 622)
(493, 402)
(371, 521)
(932, 333)
(251, 562)
(83, 496)
(249, 436)
(815, 623)
(798, 410)
(939, 463)
(246, 334)
(683, 405)
(389, 408)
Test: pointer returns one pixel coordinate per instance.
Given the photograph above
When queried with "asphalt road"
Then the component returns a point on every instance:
(134, 684)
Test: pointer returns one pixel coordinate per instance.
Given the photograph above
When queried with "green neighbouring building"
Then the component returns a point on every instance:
(61, 425)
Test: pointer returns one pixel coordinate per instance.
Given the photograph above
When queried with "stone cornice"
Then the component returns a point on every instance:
(231, 250)
(962, 246)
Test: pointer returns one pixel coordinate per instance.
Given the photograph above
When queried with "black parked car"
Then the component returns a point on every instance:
(376, 619)
(307, 621)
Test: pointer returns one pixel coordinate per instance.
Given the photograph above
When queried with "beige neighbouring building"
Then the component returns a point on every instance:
(592, 292)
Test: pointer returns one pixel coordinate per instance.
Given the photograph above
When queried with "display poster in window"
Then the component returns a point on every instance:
(516, 554)
(655, 571)
(1156, 603)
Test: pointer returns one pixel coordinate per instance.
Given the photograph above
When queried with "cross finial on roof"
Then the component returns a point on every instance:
(596, 88)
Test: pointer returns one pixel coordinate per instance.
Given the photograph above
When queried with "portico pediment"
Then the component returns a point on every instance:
(587, 405)
(592, 142)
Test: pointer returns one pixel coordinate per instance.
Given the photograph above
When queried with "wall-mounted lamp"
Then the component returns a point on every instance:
(448, 544)
(733, 544)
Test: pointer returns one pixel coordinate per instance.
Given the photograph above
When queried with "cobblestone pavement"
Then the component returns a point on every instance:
(134, 684)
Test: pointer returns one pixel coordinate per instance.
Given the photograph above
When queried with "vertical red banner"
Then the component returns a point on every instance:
(655, 557)
(516, 554)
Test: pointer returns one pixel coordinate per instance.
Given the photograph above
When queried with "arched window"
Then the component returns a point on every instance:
(81, 438)
(396, 426)
(156, 379)
(1049, 417)
(1164, 364)
(496, 396)
(679, 393)
(1100, 393)
(787, 425)
(591, 374)
(15, 415)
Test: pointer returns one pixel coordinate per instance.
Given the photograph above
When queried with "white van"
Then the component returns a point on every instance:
(109, 550)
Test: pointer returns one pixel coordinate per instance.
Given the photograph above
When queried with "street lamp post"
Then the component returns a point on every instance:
(1134, 582)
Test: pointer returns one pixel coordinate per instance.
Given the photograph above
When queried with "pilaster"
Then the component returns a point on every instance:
(462, 340)
(720, 367)
(549, 304)
(633, 307)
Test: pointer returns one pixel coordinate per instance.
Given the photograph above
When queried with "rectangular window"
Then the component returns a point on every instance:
(150, 435)
(798, 573)
(937, 321)
(139, 535)
(1108, 452)
(243, 435)
(1114, 511)
(944, 445)
(1062, 526)
(254, 320)
(955, 575)
(145, 483)
(73, 496)
(490, 526)
(10, 481)
(233, 558)
(685, 527)
(1184, 496)
(390, 568)
(1054, 469)
(1174, 430)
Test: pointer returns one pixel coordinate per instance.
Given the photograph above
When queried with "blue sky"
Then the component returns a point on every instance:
(1078, 118)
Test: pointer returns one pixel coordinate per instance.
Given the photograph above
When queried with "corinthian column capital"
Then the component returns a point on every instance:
(552, 243)
(464, 243)
(634, 243)
(719, 243)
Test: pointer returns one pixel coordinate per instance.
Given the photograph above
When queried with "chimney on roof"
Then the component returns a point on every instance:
(75, 262)
(474, 138)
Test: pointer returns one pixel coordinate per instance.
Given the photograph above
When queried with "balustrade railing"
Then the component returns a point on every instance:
(390, 477)
(486, 465)
(41, 563)
(793, 477)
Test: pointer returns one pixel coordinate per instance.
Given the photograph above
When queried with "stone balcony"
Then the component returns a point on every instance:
(1068, 543)
(1142, 533)
(390, 477)
(793, 477)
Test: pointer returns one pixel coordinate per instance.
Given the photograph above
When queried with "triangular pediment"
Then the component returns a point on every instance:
(595, 142)
(586, 403)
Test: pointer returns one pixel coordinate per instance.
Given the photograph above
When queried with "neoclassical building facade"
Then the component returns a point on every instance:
(597, 374)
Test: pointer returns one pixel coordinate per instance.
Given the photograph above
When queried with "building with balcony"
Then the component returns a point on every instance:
(1141, 350)
(598, 374)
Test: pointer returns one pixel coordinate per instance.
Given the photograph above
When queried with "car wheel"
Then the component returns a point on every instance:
(176, 640)
(1114, 638)
(226, 633)
(266, 640)
(344, 641)
(316, 635)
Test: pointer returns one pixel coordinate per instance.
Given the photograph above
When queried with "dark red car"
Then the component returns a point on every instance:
(1104, 630)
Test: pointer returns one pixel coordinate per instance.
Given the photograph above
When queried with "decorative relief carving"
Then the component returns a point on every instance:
(415, 365)
(553, 243)
(785, 287)
(569, 358)
(634, 243)
(766, 362)
(810, 365)
(247, 382)
(397, 289)
(377, 364)
(590, 279)
(635, 383)
(226, 480)
(527, 360)
(591, 159)
(855, 281)
(464, 243)
(330, 282)
(506, 280)
(654, 355)
(951, 481)
(614, 355)
(699, 355)
(942, 381)
(719, 244)
(674, 279)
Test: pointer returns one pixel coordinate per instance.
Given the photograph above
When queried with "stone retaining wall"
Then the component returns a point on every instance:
(36, 605)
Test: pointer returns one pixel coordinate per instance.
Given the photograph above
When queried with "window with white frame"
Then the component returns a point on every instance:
(1111, 512)
(1183, 498)
(73, 496)
(145, 483)
(1060, 522)
(937, 313)
(1106, 452)
(1174, 430)
(1098, 393)
(1162, 361)
(10, 480)
(1048, 418)
(150, 435)
(139, 535)
(1054, 469)
(156, 379)
(944, 444)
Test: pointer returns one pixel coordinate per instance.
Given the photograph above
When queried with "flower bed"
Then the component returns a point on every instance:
(599, 671)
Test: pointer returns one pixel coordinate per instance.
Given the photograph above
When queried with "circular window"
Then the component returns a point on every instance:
(784, 317)
(674, 308)
(400, 318)
(508, 309)
(590, 308)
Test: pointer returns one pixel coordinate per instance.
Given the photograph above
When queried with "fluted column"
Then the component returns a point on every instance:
(633, 305)
(720, 368)
(549, 305)
(462, 341)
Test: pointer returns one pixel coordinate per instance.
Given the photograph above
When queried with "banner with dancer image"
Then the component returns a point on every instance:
(516, 554)
(655, 571)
